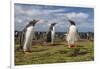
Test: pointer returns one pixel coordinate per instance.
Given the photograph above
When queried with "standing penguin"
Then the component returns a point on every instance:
(51, 33)
(28, 35)
(72, 36)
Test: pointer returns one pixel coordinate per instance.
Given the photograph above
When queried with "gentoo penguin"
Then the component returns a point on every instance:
(29, 31)
(72, 35)
(51, 33)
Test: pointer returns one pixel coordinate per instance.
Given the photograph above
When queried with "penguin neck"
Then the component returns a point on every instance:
(53, 28)
(72, 25)
(30, 27)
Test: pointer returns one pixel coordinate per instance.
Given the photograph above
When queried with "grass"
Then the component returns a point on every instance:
(58, 53)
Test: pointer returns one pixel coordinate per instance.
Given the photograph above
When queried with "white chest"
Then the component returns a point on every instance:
(30, 28)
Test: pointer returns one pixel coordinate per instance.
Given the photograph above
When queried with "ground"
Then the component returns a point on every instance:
(58, 53)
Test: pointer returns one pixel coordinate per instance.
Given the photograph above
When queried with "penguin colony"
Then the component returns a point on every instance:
(26, 36)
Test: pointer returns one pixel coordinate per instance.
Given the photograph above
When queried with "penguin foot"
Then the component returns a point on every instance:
(27, 52)
(72, 46)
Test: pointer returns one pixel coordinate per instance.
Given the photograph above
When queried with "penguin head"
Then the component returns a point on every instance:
(33, 22)
(71, 22)
(53, 24)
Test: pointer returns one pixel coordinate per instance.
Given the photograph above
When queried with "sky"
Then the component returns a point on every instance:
(47, 14)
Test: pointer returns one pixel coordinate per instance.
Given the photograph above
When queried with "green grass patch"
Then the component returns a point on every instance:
(58, 53)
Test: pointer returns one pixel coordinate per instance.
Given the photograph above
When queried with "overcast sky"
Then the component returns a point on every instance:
(24, 13)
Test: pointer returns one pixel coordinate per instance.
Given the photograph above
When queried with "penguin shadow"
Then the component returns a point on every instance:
(76, 52)
(81, 50)
(80, 46)
(55, 44)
